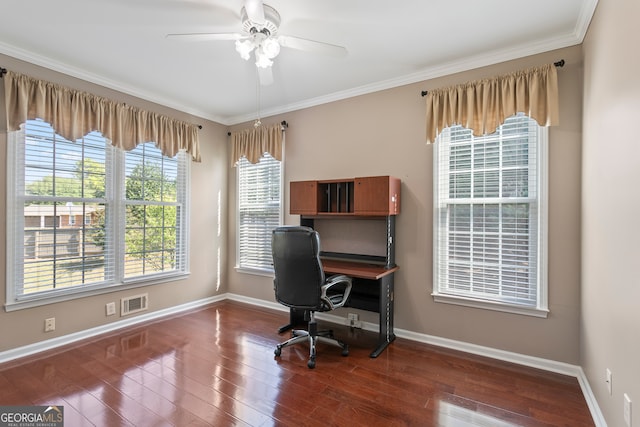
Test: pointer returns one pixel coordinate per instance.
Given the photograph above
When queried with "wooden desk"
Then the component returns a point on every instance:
(371, 274)
(374, 278)
(372, 198)
(356, 269)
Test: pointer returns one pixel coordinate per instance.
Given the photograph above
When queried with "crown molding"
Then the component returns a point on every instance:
(477, 61)
(43, 61)
(470, 63)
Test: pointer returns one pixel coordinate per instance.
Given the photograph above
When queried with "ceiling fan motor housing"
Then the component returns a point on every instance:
(271, 22)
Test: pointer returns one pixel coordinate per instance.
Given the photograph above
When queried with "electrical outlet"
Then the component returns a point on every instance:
(50, 324)
(608, 380)
(111, 308)
(627, 409)
(352, 319)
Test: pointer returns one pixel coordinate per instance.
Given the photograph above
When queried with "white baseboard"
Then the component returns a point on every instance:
(520, 359)
(258, 302)
(50, 344)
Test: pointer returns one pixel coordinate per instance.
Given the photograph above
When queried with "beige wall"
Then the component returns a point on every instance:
(376, 134)
(593, 204)
(611, 206)
(208, 208)
(383, 134)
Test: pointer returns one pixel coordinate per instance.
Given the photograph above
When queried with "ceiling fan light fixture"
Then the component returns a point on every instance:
(244, 48)
(262, 59)
(270, 47)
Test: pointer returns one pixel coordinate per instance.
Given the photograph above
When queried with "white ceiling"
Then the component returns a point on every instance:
(121, 44)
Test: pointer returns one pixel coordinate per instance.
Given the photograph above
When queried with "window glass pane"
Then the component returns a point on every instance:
(150, 176)
(460, 185)
(515, 152)
(486, 183)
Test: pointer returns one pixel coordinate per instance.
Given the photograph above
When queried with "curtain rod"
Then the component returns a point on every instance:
(558, 64)
(283, 123)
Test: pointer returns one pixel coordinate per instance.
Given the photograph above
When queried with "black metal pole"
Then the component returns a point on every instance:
(283, 123)
(558, 64)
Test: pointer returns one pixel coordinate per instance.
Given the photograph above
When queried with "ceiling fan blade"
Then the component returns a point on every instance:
(265, 75)
(312, 46)
(255, 11)
(206, 36)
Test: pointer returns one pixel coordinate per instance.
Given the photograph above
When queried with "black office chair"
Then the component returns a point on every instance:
(300, 284)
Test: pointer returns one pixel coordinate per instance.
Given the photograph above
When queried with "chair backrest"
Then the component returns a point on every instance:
(298, 269)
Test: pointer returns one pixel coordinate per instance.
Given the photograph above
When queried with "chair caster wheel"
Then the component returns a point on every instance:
(311, 363)
(277, 351)
(345, 351)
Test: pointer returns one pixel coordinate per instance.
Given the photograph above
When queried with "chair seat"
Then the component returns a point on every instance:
(300, 283)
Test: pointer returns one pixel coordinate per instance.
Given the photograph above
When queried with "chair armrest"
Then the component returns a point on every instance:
(342, 297)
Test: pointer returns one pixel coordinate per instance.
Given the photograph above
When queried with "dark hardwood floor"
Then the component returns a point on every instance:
(216, 367)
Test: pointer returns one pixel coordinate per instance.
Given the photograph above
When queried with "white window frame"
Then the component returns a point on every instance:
(441, 293)
(264, 268)
(114, 201)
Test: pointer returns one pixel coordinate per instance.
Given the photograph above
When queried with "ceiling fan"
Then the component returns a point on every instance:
(260, 24)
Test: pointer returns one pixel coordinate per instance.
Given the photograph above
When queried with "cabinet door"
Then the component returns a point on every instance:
(303, 197)
(377, 195)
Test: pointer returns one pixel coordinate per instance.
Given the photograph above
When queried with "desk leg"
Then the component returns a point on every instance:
(386, 315)
(296, 317)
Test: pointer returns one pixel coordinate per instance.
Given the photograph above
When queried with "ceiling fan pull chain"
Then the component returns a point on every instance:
(257, 123)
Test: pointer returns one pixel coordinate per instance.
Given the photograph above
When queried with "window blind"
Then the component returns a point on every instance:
(60, 180)
(487, 214)
(259, 211)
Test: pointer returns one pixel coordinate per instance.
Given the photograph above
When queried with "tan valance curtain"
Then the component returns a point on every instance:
(73, 114)
(483, 105)
(252, 143)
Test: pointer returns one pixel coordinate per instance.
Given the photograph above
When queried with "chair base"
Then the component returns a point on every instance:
(312, 336)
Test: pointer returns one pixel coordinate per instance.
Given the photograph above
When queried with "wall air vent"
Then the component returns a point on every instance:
(134, 304)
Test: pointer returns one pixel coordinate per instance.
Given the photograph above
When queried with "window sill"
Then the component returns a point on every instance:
(491, 305)
(255, 271)
(72, 294)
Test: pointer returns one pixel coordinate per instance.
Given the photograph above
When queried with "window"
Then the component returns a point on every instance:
(259, 212)
(72, 219)
(490, 217)
(134, 209)
(153, 222)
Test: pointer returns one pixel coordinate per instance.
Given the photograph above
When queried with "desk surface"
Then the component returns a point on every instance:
(356, 269)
